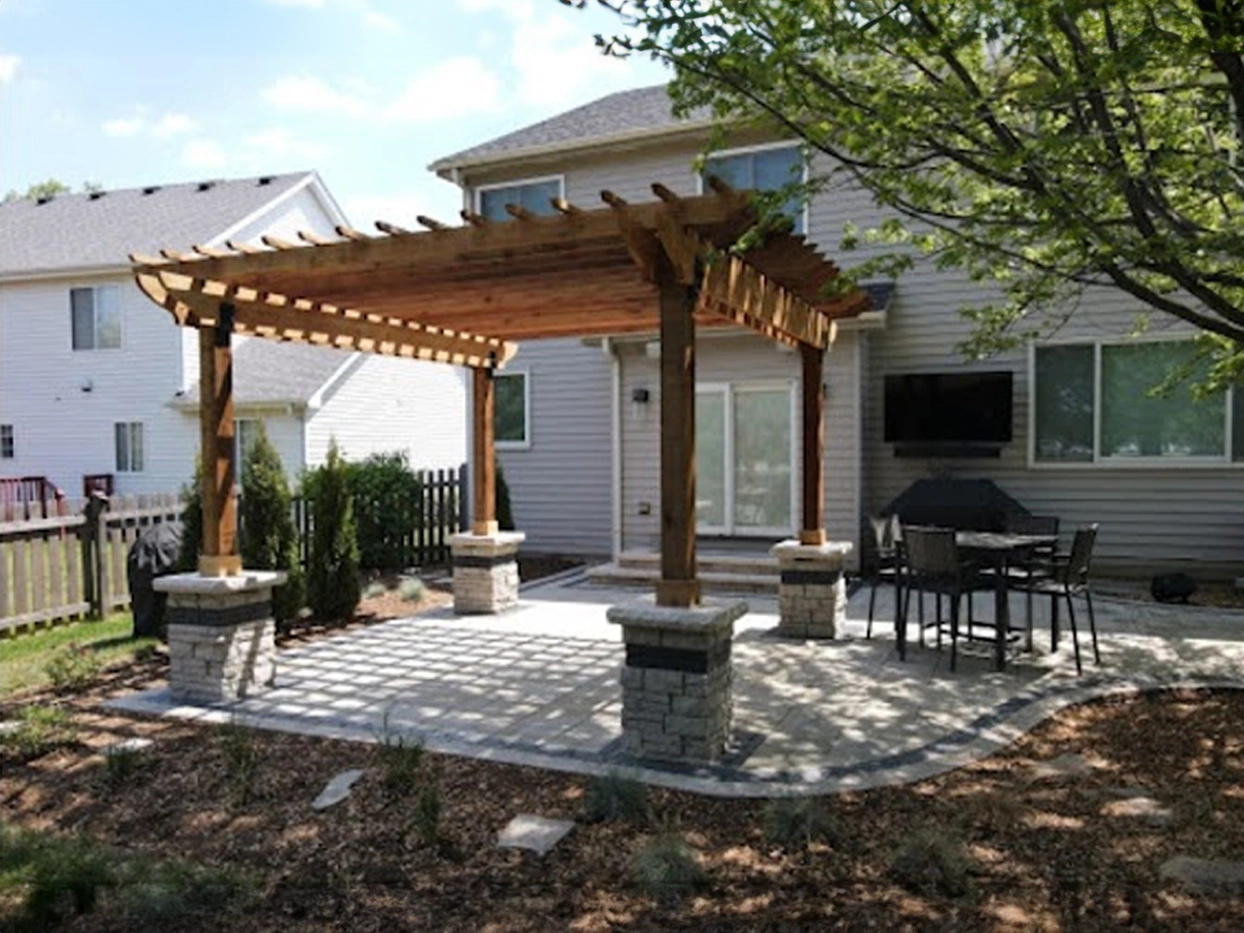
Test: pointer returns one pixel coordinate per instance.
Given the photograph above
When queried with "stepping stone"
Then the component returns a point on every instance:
(1069, 764)
(1205, 876)
(336, 790)
(536, 833)
(128, 747)
(1139, 806)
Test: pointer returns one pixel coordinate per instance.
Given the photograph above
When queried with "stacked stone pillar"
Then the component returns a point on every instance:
(677, 696)
(812, 594)
(221, 635)
(485, 571)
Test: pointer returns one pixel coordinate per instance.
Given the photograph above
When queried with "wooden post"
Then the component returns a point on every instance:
(813, 531)
(678, 585)
(484, 461)
(219, 557)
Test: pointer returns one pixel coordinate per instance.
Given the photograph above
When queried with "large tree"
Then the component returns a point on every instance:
(1045, 146)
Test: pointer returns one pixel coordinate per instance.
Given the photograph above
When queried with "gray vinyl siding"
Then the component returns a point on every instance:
(560, 484)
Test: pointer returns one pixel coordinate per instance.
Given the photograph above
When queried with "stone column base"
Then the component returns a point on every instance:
(485, 571)
(221, 636)
(677, 698)
(812, 595)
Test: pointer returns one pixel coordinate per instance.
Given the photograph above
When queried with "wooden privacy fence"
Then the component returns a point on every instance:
(71, 563)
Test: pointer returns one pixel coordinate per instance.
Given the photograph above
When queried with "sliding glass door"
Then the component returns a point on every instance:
(745, 459)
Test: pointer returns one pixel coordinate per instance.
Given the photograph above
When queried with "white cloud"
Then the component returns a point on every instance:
(8, 67)
(311, 95)
(204, 153)
(123, 126)
(512, 9)
(545, 51)
(453, 88)
(401, 208)
(309, 4)
(381, 22)
(171, 124)
(278, 143)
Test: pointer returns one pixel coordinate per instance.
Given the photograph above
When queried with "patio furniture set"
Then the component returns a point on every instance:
(955, 564)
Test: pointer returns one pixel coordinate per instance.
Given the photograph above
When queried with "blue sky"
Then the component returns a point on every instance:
(368, 92)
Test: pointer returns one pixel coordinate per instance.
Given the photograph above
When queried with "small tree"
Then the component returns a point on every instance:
(191, 521)
(333, 589)
(269, 538)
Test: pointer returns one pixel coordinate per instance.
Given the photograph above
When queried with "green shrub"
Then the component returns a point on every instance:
(505, 511)
(42, 729)
(119, 764)
(54, 877)
(163, 895)
(72, 667)
(612, 797)
(667, 869)
(400, 758)
(333, 587)
(241, 759)
(797, 821)
(269, 540)
(933, 863)
(191, 521)
(428, 811)
(388, 502)
(412, 589)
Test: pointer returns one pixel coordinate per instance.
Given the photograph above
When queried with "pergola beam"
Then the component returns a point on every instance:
(219, 557)
(732, 284)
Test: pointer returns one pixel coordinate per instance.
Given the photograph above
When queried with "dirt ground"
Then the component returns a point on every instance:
(1051, 853)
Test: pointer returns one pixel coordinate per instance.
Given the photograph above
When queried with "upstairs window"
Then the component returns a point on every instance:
(511, 411)
(7, 449)
(1092, 405)
(536, 195)
(129, 443)
(96, 318)
(767, 169)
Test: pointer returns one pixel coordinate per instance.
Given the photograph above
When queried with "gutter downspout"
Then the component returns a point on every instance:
(615, 446)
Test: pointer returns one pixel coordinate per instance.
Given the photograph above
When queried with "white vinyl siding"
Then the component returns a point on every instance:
(129, 446)
(95, 318)
(510, 416)
(245, 431)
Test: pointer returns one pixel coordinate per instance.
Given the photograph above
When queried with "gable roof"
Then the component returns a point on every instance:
(267, 372)
(74, 231)
(623, 115)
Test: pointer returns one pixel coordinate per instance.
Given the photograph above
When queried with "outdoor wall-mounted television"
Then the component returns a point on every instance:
(948, 408)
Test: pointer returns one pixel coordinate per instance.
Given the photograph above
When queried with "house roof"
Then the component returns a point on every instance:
(73, 231)
(270, 373)
(642, 111)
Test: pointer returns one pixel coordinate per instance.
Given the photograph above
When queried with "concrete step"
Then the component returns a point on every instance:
(749, 565)
(711, 581)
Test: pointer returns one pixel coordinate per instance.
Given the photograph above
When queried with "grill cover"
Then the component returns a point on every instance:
(962, 504)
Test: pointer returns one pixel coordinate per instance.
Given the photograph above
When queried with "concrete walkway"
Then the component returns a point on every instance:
(539, 686)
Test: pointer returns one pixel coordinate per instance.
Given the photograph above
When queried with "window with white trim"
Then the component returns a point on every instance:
(510, 410)
(95, 318)
(767, 169)
(1092, 404)
(129, 443)
(536, 196)
(7, 449)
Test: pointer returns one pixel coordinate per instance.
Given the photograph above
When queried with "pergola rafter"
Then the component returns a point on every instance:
(464, 294)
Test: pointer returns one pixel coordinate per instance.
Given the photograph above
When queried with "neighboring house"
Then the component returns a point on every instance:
(94, 379)
(579, 419)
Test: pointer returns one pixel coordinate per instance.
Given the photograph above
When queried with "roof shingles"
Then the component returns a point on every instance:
(267, 372)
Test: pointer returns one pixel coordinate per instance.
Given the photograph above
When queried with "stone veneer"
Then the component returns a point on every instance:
(812, 594)
(221, 636)
(485, 571)
(677, 696)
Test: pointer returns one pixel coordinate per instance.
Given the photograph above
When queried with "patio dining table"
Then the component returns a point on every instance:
(998, 549)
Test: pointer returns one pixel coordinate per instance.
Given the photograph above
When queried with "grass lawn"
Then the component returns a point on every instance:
(24, 658)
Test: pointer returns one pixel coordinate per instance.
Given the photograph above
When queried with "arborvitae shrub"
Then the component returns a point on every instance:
(333, 586)
(269, 538)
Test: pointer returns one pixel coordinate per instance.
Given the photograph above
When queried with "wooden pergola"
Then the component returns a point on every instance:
(465, 294)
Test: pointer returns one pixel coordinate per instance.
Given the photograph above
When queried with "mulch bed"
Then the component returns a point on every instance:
(1046, 856)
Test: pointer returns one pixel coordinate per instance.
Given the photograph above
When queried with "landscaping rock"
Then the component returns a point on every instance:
(336, 790)
(1205, 876)
(10, 726)
(128, 746)
(1070, 764)
(1139, 806)
(535, 833)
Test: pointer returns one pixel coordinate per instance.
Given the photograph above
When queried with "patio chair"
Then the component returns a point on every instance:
(1067, 578)
(887, 565)
(1037, 562)
(933, 563)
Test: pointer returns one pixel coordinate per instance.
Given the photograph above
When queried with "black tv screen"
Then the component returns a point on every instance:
(948, 408)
